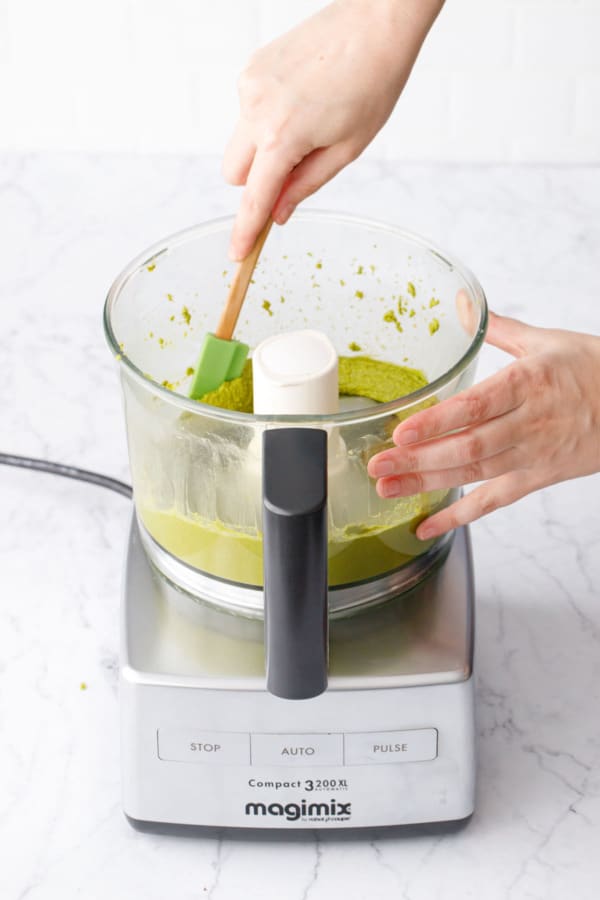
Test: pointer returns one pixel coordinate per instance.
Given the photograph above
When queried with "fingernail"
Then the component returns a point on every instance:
(379, 468)
(424, 533)
(406, 437)
(234, 253)
(390, 487)
(385, 488)
(284, 213)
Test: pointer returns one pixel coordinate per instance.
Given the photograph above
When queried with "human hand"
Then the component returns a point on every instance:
(534, 423)
(312, 100)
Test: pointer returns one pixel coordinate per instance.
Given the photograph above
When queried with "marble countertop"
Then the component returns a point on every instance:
(68, 224)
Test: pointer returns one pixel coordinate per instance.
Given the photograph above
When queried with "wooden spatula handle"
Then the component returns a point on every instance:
(239, 286)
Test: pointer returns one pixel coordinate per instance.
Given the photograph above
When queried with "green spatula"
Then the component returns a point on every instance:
(221, 358)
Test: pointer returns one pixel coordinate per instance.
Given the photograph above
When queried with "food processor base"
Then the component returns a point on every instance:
(390, 743)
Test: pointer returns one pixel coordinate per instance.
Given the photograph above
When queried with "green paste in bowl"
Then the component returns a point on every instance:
(359, 376)
(357, 550)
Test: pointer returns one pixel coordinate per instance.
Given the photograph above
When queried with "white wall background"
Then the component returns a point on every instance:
(498, 80)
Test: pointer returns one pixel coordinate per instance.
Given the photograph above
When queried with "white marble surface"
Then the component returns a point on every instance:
(67, 225)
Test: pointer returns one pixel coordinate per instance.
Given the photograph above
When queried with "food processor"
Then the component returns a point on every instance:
(292, 655)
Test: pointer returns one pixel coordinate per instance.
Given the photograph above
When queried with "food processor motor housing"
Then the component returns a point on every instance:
(378, 748)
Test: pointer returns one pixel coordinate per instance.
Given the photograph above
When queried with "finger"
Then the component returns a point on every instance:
(496, 396)
(468, 313)
(419, 482)
(511, 335)
(238, 156)
(313, 172)
(462, 448)
(490, 496)
(265, 179)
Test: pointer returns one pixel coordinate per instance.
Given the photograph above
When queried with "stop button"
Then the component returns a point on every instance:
(223, 748)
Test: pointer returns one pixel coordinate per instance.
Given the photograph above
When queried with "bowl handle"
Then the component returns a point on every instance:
(295, 561)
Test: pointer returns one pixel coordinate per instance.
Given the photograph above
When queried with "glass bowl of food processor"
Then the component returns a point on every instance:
(407, 322)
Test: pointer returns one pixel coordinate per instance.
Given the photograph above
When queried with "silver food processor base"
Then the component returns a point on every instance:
(391, 742)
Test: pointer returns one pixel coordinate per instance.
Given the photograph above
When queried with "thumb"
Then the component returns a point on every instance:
(510, 335)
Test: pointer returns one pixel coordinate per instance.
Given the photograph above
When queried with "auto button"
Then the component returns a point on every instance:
(297, 749)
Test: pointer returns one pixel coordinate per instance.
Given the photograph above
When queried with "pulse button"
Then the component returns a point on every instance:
(418, 745)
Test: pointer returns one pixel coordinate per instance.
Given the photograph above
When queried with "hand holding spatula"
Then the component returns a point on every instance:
(222, 358)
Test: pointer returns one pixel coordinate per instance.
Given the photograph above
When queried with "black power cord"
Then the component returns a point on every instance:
(53, 468)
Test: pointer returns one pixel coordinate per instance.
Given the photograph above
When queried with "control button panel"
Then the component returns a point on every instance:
(418, 745)
(220, 748)
(297, 749)
(231, 748)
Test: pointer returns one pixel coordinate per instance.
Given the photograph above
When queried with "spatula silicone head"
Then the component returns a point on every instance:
(222, 358)
(219, 361)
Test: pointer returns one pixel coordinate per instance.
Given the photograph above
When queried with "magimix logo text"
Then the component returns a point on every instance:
(303, 810)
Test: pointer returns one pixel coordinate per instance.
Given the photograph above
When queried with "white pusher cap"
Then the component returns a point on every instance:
(295, 374)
